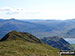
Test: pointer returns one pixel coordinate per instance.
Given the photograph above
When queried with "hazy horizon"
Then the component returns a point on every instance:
(33, 19)
(37, 9)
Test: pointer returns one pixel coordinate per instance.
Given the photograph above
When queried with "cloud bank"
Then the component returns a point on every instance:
(8, 12)
(21, 13)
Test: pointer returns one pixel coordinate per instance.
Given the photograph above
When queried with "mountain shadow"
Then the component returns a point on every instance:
(57, 42)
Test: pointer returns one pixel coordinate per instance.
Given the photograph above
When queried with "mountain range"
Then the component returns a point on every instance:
(40, 28)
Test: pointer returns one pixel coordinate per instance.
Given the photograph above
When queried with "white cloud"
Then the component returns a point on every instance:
(21, 13)
(8, 12)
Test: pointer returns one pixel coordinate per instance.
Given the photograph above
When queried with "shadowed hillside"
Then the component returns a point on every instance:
(58, 43)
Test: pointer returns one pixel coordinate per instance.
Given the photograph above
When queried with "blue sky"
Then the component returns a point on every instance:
(37, 9)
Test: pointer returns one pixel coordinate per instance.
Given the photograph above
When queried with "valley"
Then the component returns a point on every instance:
(40, 28)
(37, 27)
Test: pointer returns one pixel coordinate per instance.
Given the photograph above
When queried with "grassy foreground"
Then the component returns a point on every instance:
(23, 48)
(68, 55)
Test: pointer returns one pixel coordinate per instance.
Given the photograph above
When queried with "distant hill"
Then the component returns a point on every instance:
(18, 25)
(39, 28)
(71, 33)
(24, 44)
(57, 28)
(57, 42)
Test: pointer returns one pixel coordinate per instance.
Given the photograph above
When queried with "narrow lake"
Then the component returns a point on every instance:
(70, 40)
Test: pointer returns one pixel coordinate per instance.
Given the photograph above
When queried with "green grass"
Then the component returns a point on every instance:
(68, 55)
(24, 44)
(24, 48)
(73, 45)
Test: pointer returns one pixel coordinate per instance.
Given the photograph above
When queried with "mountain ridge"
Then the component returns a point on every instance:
(57, 42)
(14, 35)
(24, 44)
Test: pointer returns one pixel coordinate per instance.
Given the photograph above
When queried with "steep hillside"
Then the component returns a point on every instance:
(14, 35)
(24, 44)
(57, 42)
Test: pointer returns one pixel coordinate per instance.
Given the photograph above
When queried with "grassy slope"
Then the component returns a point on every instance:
(73, 45)
(14, 35)
(24, 48)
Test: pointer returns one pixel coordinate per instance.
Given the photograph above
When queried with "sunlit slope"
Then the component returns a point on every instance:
(24, 44)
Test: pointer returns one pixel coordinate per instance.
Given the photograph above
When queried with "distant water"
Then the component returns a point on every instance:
(70, 40)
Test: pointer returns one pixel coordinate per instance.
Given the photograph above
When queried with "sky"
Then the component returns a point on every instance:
(37, 9)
